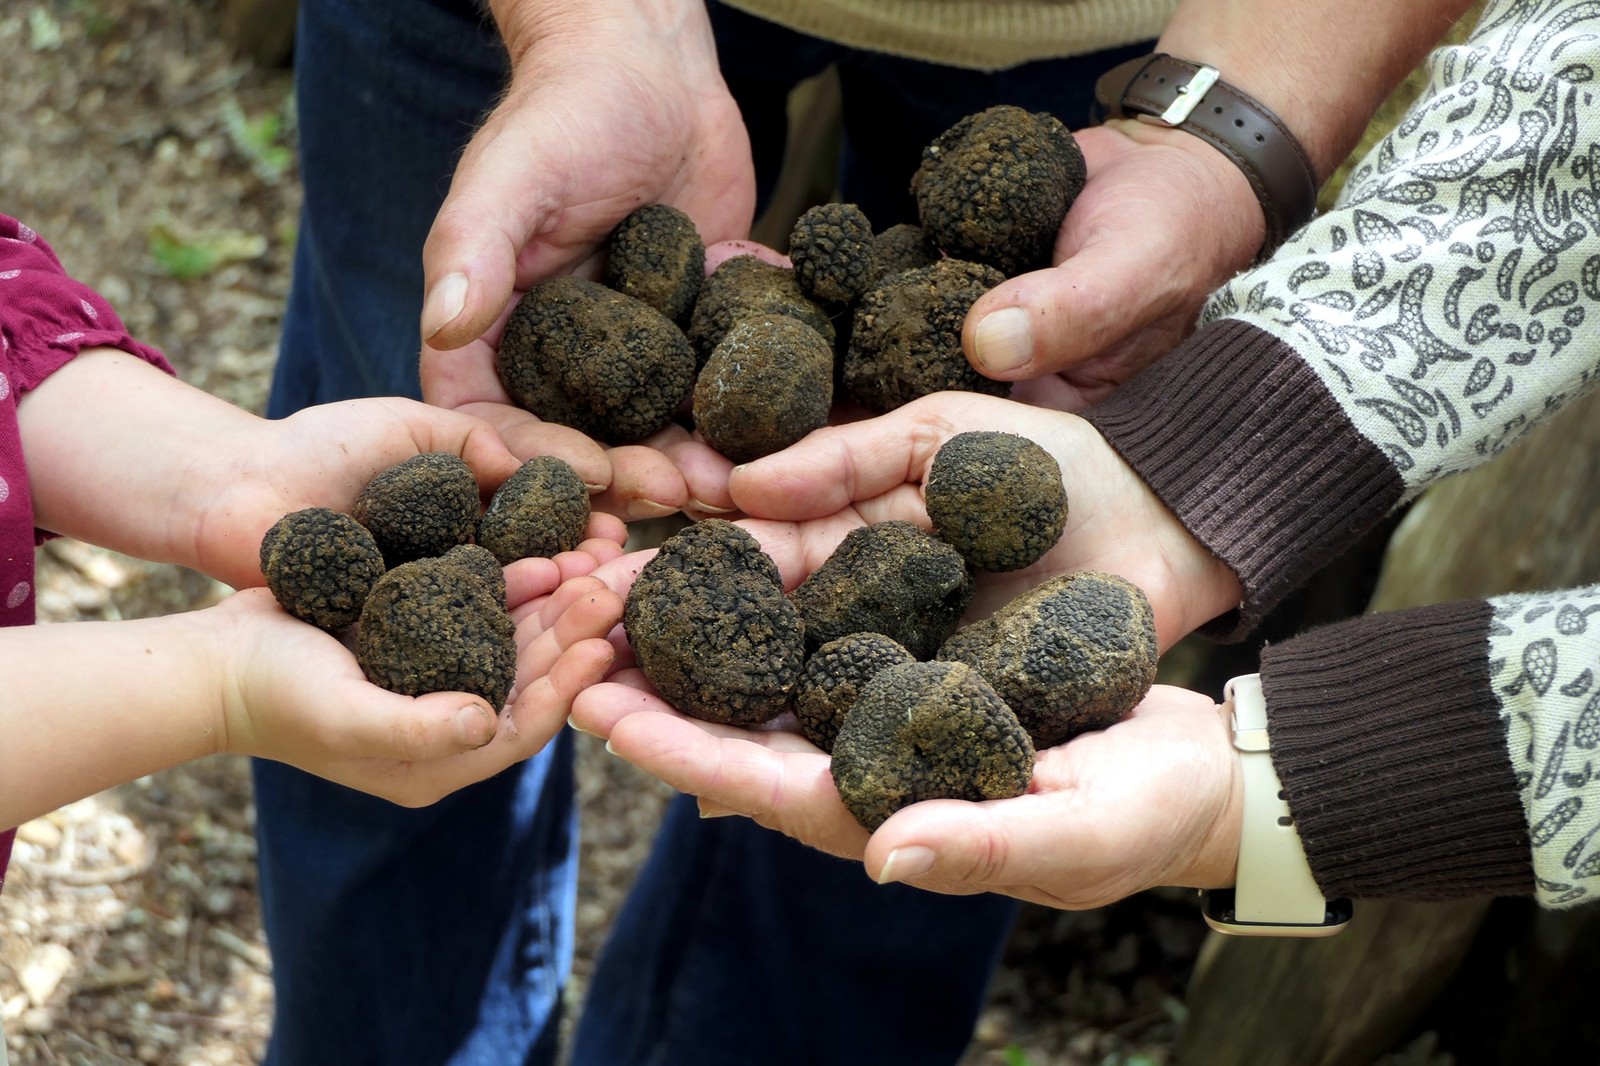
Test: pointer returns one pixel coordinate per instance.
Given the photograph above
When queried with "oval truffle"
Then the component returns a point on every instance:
(420, 508)
(997, 498)
(540, 511)
(320, 565)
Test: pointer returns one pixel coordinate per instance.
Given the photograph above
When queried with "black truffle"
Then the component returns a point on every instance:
(902, 247)
(746, 287)
(539, 511)
(711, 628)
(995, 187)
(1075, 653)
(429, 626)
(769, 383)
(905, 339)
(928, 731)
(481, 563)
(834, 678)
(997, 498)
(583, 355)
(420, 508)
(656, 255)
(891, 578)
(832, 249)
(320, 565)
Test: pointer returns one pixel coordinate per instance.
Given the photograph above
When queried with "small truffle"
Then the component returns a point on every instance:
(995, 187)
(769, 383)
(320, 565)
(834, 678)
(420, 508)
(600, 361)
(540, 511)
(711, 628)
(656, 255)
(1075, 653)
(746, 287)
(481, 563)
(997, 498)
(429, 626)
(928, 731)
(905, 338)
(832, 248)
(902, 247)
(891, 578)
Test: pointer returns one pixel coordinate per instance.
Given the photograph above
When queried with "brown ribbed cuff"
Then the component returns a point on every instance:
(1387, 738)
(1244, 443)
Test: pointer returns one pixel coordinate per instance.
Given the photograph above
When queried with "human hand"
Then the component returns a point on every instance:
(1153, 800)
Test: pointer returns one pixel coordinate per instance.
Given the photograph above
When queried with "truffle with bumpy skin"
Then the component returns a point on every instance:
(832, 249)
(481, 563)
(834, 678)
(600, 361)
(928, 731)
(902, 247)
(420, 508)
(769, 383)
(997, 498)
(746, 287)
(430, 626)
(711, 628)
(656, 255)
(905, 338)
(995, 187)
(320, 565)
(539, 511)
(891, 578)
(1075, 653)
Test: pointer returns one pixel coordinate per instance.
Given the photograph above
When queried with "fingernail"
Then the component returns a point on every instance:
(1004, 340)
(610, 750)
(648, 509)
(444, 303)
(913, 860)
(701, 505)
(714, 810)
(592, 489)
(475, 726)
(578, 728)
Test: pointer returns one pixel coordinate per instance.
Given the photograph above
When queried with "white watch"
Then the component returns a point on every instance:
(1274, 894)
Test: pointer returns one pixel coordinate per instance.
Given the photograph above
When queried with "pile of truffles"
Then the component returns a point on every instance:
(869, 653)
(752, 355)
(417, 569)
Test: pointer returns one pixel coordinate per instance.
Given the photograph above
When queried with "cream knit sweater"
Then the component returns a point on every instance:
(979, 34)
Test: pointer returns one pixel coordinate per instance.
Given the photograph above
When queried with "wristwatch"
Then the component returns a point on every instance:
(1274, 894)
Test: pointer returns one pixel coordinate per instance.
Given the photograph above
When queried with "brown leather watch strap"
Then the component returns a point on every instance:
(1190, 97)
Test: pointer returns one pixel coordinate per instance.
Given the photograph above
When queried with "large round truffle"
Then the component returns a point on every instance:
(711, 628)
(539, 511)
(995, 187)
(905, 338)
(769, 383)
(320, 565)
(583, 355)
(420, 508)
(928, 731)
(997, 498)
(891, 578)
(656, 255)
(481, 563)
(832, 249)
(902, 247)
(1075, 653)
(431, 626)
(833, 680)
(746, 287)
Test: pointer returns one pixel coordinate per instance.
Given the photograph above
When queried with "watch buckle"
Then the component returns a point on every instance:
(1189, 96)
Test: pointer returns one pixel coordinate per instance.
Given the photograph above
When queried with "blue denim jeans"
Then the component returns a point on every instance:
(444, 935)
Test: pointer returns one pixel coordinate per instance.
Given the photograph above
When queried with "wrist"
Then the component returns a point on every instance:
(562, 28)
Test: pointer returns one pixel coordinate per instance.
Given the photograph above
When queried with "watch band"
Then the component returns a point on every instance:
(1193, 98)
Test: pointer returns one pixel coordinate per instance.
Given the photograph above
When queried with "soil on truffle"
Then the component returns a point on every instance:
(995, 187)
(891, 578)
(902, 247)
(905, 339)
(431, 626)
(834, 252)
(769, 383)
(997, 498)
(320, 565)
(420, 508)
(928, 731)
(598, 360)
(481, 563)
(1073, 654)
(656, 255)
(746, 287)
(711, 627)
(539, 511)
(834, 678)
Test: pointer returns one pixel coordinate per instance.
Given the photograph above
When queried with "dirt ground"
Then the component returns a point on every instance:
(160, 166)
